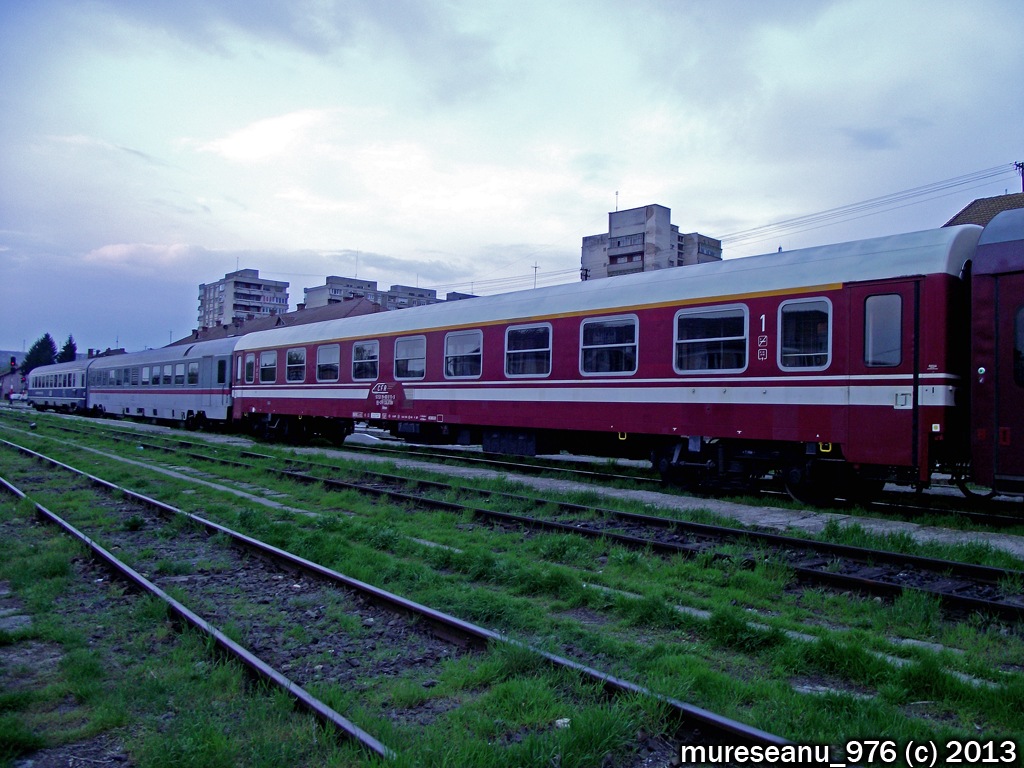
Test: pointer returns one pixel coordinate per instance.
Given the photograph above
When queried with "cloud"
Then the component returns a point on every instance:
(142, 257)
(460, 64)
(89, 141)
(267, 138)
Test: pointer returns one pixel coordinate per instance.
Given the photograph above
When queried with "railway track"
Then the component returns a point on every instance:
(996, 514)
(702, 724)
(962, 587)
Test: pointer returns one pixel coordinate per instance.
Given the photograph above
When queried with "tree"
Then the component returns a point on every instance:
(69, 352)
(42, 352)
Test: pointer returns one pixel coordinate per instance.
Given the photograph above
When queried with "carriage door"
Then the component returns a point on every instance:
(997, 354)
(883, 379)
(207, 377)
(1006, 375)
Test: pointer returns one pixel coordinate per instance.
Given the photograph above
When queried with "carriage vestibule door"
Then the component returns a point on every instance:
(882, 358)
(998, 381)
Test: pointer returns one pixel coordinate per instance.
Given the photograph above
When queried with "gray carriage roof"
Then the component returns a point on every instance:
(933, 251)
(1004, 227)
(217, 348)
(73, 365)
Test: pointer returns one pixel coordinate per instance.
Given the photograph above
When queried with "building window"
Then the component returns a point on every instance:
(883, 330)
(268, 367)
(250, 368)
(609, 345)
(193, 373)
(328, 358)
(711, 339)
(624, 240)
(463, 354)
(411, 357)
(804, 333)
(528, 350)
(295, 365)
(365, 356)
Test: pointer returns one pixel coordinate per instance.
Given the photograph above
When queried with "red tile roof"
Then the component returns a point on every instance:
(984, 209)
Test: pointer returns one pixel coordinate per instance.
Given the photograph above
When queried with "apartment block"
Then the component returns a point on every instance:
(338, 289)
(241, 295)
(641, 240)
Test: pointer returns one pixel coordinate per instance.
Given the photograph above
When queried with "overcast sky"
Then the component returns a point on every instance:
(149, 146)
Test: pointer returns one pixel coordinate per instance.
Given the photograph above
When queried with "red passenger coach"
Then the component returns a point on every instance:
(835, 368)
(997, 354)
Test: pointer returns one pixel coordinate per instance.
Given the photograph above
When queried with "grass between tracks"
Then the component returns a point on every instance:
(119, 669)
(534, 586)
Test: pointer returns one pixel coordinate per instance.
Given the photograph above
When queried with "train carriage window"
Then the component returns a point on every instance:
(135, 377)
(222, 371)
(328, 362)
(411, 357)
(883, 330)
(268, 367)
(528, 350)
(193, 373)
(167, 375)
(295, 365)
(365, 360)
(179, 374)
(609, 345)
(463, 354)
(805, 334)
(1018, 347)
(145, 375)
(118, 376)
(250, 368)
(711, 339)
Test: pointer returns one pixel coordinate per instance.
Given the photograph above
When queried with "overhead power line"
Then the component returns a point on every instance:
(867, 207)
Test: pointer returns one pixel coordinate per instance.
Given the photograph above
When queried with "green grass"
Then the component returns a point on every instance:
(529, 586)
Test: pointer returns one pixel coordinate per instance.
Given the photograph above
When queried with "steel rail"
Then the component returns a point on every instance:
(839, 581)
(415, 453)
(252, 662)
(445, 625)
(985, 573)
(977, 518)
(980, 573)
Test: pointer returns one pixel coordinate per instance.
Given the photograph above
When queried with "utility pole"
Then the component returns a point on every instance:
(535, 275)
(1020, 170)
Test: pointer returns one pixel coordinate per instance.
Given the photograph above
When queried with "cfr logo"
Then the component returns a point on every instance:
(379, 389)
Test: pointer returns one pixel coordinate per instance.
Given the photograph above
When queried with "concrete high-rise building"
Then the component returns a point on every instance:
(643, 239)
(241, 295)
(338, 289)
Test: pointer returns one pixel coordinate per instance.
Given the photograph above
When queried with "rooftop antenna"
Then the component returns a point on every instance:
(357, 264)
(616, 201)
(535, 275)
(236, 263)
